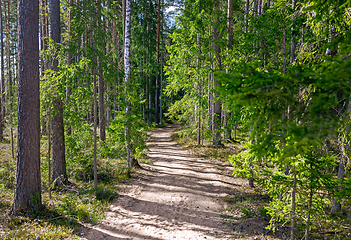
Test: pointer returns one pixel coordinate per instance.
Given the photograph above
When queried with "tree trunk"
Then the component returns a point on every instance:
(49, 154)
(127, 43)
(95, 130)
(69, 60)
(2, 85)
(293, 206)
(217, 103)
(198, 86)
(293, 36)
(59, 175)
(227, 131)
(157, 94)
(161, 74)
(336, 204)
(247, 16)
(28, 182)
(102, 107)
(308, 220)
(9, 76)
(44, 64)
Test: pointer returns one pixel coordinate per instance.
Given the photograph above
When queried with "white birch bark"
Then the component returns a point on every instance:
(127, 39)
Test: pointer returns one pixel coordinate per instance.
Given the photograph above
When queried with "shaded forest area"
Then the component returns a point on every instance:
(84, 81)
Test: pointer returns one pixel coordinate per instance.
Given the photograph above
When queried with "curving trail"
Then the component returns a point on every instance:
(179, 196)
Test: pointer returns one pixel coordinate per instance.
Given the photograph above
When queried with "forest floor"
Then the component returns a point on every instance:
(177, 195)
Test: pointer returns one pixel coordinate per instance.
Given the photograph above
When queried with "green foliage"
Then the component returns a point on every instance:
(79, 149)
(7, 175)
(247, 212)
(243, 164)
(115, 144)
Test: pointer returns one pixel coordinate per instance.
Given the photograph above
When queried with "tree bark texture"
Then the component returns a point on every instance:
(28, 180)
(58, 137)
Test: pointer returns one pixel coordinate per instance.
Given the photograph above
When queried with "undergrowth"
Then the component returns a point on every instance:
(66, 208)
(253, 203)
(185, 137)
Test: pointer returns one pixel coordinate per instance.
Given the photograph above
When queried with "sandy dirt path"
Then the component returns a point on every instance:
(179, 196)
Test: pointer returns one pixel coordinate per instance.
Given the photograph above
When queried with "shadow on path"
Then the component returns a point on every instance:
(179, 196)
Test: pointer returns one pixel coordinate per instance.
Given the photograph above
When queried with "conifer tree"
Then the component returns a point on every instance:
(28, 182)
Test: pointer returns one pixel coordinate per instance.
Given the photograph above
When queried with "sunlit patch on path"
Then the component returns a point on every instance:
(179, 196)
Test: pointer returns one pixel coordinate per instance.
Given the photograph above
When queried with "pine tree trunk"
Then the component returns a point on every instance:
(95, 130)
(43, 66)
(198, 86)
(157, 94)
(227, 132)
(217, 103)
(59, 175)
(28, 182)
(293, 206)
(293, 36)
(102, 108)
(9, 75)
(69, 60)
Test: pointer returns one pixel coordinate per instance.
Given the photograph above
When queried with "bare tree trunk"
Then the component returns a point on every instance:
(161, 74)
(69, 59)
(49, 153)
(161, 90)
(198, 93)
(102, 107)
(293, 37)
(247, 16)
(28, 182)
(227, 131)
(284, 51)
(127, 43)
(307, 232)
(293, 207)
(2, 86)
(217, 103)
(59, 174)
(44, 39)
(336, 205)
(144, 83)
(95, 130)
(9, 75)
(157, 94)
(210, 100)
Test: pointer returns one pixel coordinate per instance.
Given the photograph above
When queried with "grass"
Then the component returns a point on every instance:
(67, 209)
(185, 139)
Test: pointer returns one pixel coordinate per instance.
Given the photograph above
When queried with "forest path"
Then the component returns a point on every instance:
(179, 196)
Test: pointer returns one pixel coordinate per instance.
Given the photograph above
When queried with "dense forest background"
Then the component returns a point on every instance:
(277, 72)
